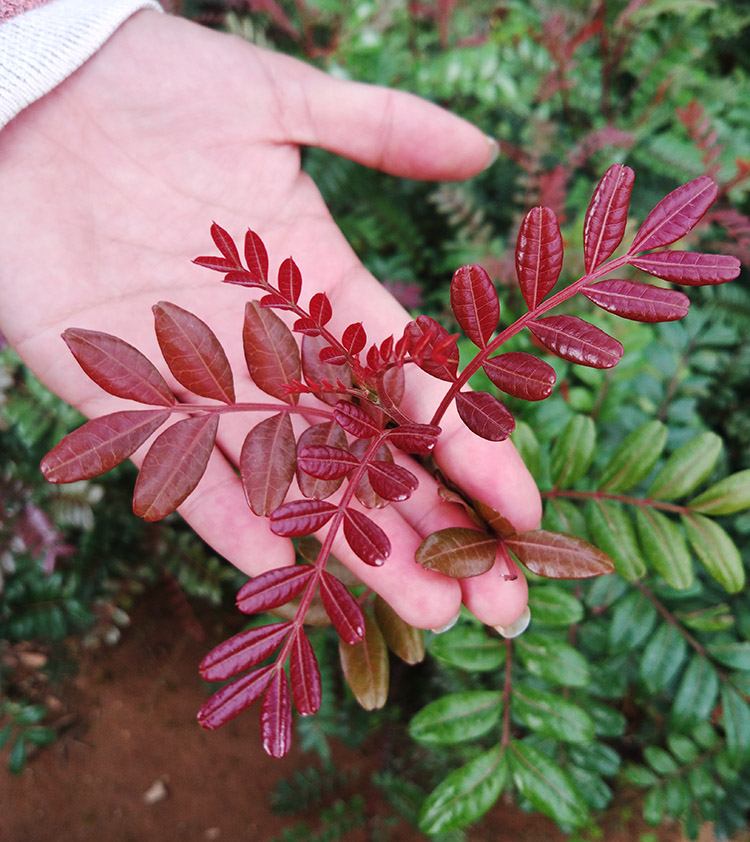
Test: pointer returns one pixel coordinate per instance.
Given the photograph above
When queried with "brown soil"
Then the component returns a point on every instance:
(133, 733)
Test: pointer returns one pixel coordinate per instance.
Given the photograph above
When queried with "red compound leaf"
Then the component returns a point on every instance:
(328, 433)
(391, 482)
(268, 461)
(354, 338)
(290, 280)
(301, 517)
(242, 651)
(639, 302)
(326, 462)
(676, 214)
(689, 267)
(521, 375)
(484, 415)
(174, 465)
(366, 538)
(475, 304)
(415, 438)
(233, 698)
(556, 555)
(304, 675)
(342, 608)
(100, 445)
(457, 552)
(256, 256)
(118, 367)
(271, 352)
(607, 216)
(273, 588)
(320, 308)
(355, 420)
(578, 341)
(226, 245)
(539, 255)
(447, 367)
(193, 353)
(276, 716)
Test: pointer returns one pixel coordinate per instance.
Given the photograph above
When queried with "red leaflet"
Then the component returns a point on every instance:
(326, 462)
(332, 356)
(118, 367)
(373, 357)
(327, 433)
(576, 340)
(365, 492)
(342, 609)
(278, 302)
(640, 302)
(276, 716)
(447, 368)
(415, 438)
(366, 538)
(225, 244)
(174, 465)
(457, 552)
(193, 353)
(607, 215)
(271, 352)
(320, 308)
(354, 338)
(484, 415)
(304, 675)
(218, 264)
(386, 347)
(290, 280)
(392, 482)
(676, 214)
(256, 255)
(242, 651)
(301, 517)
(273, 588)
(475, 303)
(689, 267)
(539, 255)
(306, 327)
(559, 556)
(521, 375)
(391, 386)
(355, 420)
(233, 698)
(316, 370)
(243, 279)
(100, 445)
(267, 463)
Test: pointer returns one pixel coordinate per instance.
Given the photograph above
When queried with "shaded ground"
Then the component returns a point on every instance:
(133, 737)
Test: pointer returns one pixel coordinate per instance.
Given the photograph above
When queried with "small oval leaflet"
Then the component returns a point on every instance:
(521, 375)
(457, 552)
(578, 341)
(484, 415)
(639, 302)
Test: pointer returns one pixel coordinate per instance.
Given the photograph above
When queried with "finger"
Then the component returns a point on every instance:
(494, 598)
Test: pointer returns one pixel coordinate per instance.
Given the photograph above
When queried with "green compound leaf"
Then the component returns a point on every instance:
(553, 660)
(613, 531)
(547, 786)
(457, 717)
(730, 495)
(696, 695)
(469, 648)
(716, 550)
(663, 657)
(633, 459)
(466, 794)
(736, 720)
(573, 451)
(550, 715)
(686, 468)
(665, 547)
(552, 606)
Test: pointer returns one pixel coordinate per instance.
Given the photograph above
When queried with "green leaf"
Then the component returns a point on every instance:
(5, 733)
(736, 720)
(595, 756)
(457, 717)
(716, 550)
(713, 618)
(730, 495)
(546, 786)
(639, 775)
(591, 786)
(665, 547)
(663, 657)
(17, 757)
(466, 794)
(614, 533)
(550, 715)
(552, 606)
(734, 654)
(686, 468)
(696, 695)
(561, 515)
(676, 797)
(682, 747)
(633, 620)
(608, 722)
(527, 446)
(30, 714)
(40, 736)
(654, 806)
(660, 761)
(573, 451)
(553, 660)
(469, 648)
(633, 459)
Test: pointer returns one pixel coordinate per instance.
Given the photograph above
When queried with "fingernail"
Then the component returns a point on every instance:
(494, 151)
(447, 626)
(516, 628)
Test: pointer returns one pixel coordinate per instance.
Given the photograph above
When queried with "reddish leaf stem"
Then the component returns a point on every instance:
(252, 407)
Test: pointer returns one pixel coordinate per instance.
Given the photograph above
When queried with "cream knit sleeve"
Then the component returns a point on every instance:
(41, 47)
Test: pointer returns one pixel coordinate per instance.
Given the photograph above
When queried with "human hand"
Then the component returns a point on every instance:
(109, 186)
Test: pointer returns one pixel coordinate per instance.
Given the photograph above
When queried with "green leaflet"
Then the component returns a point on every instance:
(613, 532)
(735, 654)
(686, 468)
(527, 446)
(696, 694)
(663, 657)
(552, 606)
(633, 459)
(729, 495)
(660, 761)
(573, 451)
(547, 786)
(561, 515)
(633, 620)
(457, 717)
(550, 715)
(665, 547)
(466, 794)
(716, 550)
(736, 720)
(553, 660)
(469, 648)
